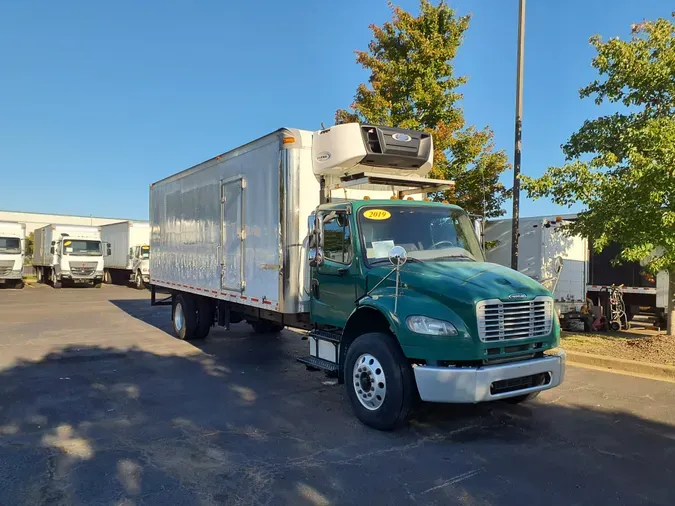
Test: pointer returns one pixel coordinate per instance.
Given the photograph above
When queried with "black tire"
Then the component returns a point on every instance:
(401, 391)
(98, 284)
(184, 305)
(138, 281)
(266, 327)
(521, 398)
(614, 326)
(205, 315)
(55, 282)
(18, 285)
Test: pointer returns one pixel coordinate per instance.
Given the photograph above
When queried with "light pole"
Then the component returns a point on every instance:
(519, 133)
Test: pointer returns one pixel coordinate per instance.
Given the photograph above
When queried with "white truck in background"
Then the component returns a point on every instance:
(129, 259)
(12, 249)
(69, 254)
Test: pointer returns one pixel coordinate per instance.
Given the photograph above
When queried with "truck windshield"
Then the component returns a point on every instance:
(10, 245)
(145, 251)
(426, 233)
(81, 247)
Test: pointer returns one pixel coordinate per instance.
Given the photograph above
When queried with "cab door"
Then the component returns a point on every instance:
(333, 285)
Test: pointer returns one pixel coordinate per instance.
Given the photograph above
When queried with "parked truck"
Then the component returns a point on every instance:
(129, 260)
(586, 276)
(69, 254)
(12, 248)
(329, 232)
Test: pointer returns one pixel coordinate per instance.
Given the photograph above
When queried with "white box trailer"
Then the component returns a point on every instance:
(129, 258)
(12, 248)
(541, 241)
(263, 193)
(586, 276)
(68, 254)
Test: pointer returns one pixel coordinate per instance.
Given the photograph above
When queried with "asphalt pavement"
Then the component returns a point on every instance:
(99, 404)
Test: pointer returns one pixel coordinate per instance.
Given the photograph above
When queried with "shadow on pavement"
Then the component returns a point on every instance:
(244, 424)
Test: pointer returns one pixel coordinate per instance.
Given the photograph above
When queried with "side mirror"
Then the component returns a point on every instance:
(398, 256)
(51, 250)
(53, 243)
(108, 250)
(315, 257)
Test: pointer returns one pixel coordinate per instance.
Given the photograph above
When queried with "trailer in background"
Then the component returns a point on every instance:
(69, 254)
(129, 258)
(586, 276)
(12, 248)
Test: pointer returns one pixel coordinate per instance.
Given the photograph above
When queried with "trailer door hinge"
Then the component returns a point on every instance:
(242, 234)
(243, 183)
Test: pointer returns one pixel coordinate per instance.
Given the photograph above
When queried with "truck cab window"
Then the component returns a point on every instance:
(337, 240)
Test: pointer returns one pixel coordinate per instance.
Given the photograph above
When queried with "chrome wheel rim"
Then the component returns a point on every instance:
(179, 317)
(138, 280)
(369, 382)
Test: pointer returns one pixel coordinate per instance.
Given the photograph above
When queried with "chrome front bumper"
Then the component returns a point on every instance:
(478, 384)
(11, 275)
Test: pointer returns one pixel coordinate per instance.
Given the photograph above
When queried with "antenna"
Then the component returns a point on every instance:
(322, 127)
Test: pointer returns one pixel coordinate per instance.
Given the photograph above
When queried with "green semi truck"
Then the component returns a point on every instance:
(331, 232)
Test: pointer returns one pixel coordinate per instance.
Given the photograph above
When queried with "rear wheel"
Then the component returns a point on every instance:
(205, 315)
(379, 381)
(266, 327)
(184, 316)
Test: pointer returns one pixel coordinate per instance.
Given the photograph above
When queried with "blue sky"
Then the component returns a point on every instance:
(99, 99)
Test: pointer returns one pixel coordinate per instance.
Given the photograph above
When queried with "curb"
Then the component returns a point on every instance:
(620, 364)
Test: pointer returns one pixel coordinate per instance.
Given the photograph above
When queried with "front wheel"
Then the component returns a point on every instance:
(138, 281)
(379, 381)
(55, 281)
(18, 285)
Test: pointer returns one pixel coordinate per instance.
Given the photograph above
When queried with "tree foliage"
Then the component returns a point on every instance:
(413, 85)
(621, 166)
(30, 241)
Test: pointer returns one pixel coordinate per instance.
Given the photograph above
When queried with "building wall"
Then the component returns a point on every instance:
(37, 220)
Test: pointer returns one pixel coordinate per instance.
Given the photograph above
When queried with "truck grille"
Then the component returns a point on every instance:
(6, 267)
(82, 268)
(499, 320)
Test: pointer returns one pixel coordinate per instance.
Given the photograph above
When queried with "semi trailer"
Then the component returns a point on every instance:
(69, 254)
(12, 249)
(331, 233)
(129, 260)
(587, 276)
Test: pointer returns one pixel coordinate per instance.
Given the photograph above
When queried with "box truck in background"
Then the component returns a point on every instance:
(586, 275)
(129, 259)
(12, 250)
(69, 254)
(320, 231)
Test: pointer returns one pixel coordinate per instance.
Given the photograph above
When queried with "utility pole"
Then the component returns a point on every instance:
(519, 134)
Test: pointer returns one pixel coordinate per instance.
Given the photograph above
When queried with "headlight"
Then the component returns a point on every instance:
(430, 326)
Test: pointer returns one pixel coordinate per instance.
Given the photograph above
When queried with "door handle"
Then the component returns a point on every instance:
(342, 271)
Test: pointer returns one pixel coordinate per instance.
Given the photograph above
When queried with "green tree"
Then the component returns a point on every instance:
(413, 85)
(30, 240)
(621, 166)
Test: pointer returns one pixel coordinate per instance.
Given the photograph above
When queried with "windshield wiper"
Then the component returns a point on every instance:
(380, 260)
(448, 257)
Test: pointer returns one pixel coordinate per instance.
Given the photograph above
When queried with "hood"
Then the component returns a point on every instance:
(463, 282)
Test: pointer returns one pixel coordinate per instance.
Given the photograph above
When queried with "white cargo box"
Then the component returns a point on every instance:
(234, 227)
(122, 236)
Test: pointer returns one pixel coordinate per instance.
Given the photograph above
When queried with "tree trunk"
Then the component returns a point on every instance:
(670, 310)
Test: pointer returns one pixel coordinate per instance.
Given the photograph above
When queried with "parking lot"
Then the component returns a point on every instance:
(99, 404)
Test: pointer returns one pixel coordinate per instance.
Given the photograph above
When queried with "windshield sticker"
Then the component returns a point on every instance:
(377, 214)
(69, 250)
(381, 249)
(67, 243)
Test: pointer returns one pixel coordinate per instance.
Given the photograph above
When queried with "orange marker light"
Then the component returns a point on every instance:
(289, 140)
